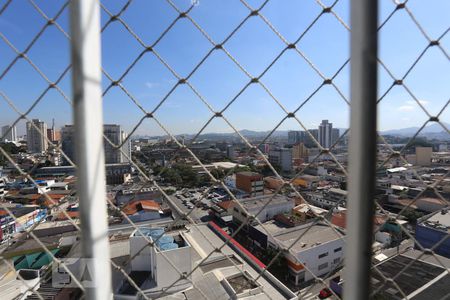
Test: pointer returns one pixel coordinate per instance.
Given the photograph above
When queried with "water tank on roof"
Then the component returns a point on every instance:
(165, 239)
(168, 246)
(156, 232)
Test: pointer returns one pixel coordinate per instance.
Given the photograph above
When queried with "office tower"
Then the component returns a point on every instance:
(9, 133)
(281, 157)
(325, 129)
(36, 136)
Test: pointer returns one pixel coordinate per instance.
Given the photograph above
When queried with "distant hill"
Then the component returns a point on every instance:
(433, 130)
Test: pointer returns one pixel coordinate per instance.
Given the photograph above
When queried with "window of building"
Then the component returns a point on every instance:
(236, 210)
(323, 255)
(323, 266)
(336, 261)
(337, 249)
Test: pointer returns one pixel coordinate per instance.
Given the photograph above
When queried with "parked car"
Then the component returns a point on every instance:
(325, 293)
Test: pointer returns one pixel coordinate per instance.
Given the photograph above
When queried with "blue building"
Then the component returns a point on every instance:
(433, 230)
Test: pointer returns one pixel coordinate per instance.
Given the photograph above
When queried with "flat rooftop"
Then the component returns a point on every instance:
(256, 202)
(310, 236)
(423, 279)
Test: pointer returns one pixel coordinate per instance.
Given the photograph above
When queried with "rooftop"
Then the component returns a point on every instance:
(311, 236)
(259, 201)
(423, 277)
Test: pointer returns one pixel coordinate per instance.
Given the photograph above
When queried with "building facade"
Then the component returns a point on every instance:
(9, 133)
(112, 132)
(281, 157)
(36, 136)
(325, 133)
(250, 182)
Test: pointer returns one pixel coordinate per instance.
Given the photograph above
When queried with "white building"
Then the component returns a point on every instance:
(319, 250)
(9, 133)
(36, 136)
(163, 262)
(276, 205)
(281, 157)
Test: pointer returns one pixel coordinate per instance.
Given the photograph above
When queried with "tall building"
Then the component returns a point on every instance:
(9, 133)
(36, 136)
(335, 134)
(308, 140)
(281, 157)
(231, 153)
(293, 137)
(325, 129)
(112, 132)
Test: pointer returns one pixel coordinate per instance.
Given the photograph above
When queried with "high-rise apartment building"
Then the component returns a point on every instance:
(325, 132)
(293, 137)
(36, 136)
(112, 132)
(335, 134)
(9, 133)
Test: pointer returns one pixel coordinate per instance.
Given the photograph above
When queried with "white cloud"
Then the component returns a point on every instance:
(151, 85)
(412, 102)
(405, 108)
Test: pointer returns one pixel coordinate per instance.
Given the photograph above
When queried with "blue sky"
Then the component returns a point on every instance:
(218, 80)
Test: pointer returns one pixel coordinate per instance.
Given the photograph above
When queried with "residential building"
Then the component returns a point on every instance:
(281, 157)
(231, 153)
(335, 134)
(299, 151)
(293, 137)
(264, 208)
(36, 136)
(250, 182)
(325, 133)
(111, 132)
(9, 133)
(264, 148)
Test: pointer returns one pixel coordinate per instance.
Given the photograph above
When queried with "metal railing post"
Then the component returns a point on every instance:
(88, 120)
(362, 148)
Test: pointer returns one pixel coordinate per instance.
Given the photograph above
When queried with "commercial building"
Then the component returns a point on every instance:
(281, 157)
(250, 182)
(9, 134)
(36, 136)
(319, 250)
(325, 133)
(264, 208)
(433, 230)
(112, 132)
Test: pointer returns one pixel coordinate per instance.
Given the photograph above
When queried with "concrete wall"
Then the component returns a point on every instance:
(310, 257)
